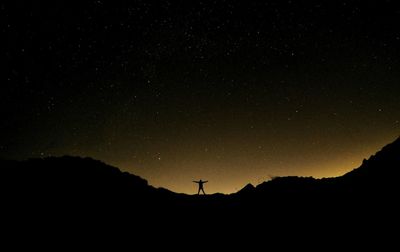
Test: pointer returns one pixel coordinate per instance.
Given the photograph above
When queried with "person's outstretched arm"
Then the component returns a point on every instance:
(196, 182)
(205, 181)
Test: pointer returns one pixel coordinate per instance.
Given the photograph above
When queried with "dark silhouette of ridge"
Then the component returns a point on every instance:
(75, 176)
(65, 191)
(249, 188)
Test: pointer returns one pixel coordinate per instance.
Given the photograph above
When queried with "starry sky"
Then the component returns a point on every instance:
(227, 91)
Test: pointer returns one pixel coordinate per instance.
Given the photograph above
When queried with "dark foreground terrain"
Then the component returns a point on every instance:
(68, 198)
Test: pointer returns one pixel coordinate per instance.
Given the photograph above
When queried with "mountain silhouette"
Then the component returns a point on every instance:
(71, 191)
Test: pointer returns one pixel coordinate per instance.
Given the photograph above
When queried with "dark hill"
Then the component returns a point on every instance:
(72, 191)
(86, 179)
(378, 173)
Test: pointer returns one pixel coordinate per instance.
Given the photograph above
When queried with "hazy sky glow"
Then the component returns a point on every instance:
(229, 92)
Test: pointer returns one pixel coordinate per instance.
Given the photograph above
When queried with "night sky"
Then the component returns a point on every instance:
(174, 91)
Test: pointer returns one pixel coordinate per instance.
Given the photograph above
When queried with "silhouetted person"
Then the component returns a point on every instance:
(201, 188)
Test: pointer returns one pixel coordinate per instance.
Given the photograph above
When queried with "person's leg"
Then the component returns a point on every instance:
(203, 191)
(198, 192)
